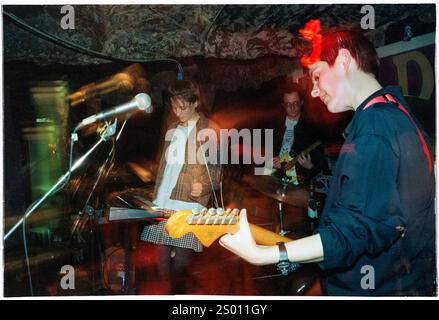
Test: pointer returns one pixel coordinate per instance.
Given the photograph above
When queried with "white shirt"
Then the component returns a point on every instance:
(288, 139)
(175, 158)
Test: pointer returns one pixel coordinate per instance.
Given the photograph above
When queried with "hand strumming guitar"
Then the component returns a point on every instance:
(305, 161)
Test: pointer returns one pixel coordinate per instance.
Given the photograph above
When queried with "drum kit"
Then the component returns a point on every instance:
(280, 191)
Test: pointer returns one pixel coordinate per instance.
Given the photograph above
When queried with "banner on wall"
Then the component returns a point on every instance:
(410, 64)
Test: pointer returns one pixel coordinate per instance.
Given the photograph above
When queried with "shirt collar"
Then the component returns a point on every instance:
(289, 122)
(394, 90)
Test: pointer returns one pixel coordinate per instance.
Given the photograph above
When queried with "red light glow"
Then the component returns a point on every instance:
(311, 32)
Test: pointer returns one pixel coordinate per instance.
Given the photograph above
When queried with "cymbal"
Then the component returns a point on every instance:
(274, 188)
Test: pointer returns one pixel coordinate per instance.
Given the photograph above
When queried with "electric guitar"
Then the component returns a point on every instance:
(289, 162)
(209, 225)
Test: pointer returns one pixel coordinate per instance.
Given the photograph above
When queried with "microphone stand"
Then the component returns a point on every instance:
(91, 211)
(104, 137)
(101, 171)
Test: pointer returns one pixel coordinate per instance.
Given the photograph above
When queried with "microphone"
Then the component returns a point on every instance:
(128, 80)
(142, 101)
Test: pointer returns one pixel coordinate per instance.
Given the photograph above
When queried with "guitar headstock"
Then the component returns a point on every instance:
(206, 225)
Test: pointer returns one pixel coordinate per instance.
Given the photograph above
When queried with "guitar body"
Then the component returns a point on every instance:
(288, 171)
(285, 174)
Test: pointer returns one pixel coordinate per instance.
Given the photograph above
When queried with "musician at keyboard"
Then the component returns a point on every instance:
(180, 184)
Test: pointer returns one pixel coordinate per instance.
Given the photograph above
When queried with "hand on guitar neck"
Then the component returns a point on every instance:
(245, 243)
(302, 155)
(242, 243)
(252, 243)
(212, 224)
(285, 163)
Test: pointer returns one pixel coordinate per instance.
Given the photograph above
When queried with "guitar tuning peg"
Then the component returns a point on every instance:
(220, 211)
(203, 211)
(228, 211)
(190, 219)
(212, 211)
(235, 211)
(195, 211)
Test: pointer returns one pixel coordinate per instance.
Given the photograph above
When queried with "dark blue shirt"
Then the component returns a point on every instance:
(378, 224)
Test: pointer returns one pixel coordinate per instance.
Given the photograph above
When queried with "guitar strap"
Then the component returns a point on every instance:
(388, 98)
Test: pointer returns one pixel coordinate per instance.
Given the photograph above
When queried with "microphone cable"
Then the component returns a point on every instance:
(209, 175)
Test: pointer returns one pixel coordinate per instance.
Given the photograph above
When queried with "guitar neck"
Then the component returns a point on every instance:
(209, 227)
(266, 237)
(305, 152)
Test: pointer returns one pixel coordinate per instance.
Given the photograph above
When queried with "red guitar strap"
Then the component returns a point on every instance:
(389, 98)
